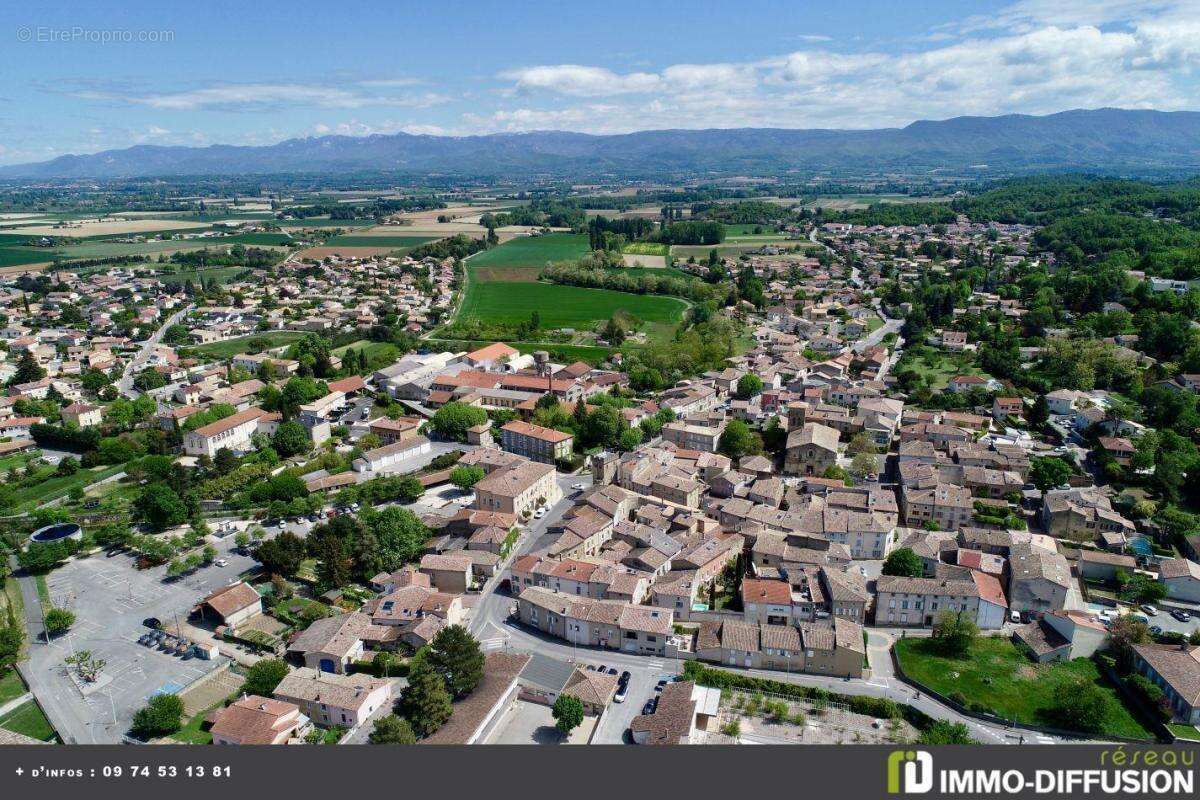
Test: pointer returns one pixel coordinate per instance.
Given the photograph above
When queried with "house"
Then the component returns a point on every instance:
(1081, 515)
(1038, 579)
(917, 602)
(1003, 407)
(1062, 636)
(493, 357)
(259, 720)
(1119, 448)
(448, 572)
(232, 433)
(832, 647)
(536, 442)
(811, 450)
(610, 624)
(1175, 670)
(683, 709)
(1181, 576)
(1062, 401)
(965, 383)
(517, 489)
(766, 602)
(1102, 565)
(330, 700)
(233, 605)
(333, 643)
(82, 414)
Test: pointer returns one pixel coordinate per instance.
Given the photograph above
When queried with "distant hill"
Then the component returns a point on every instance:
(1099, 140)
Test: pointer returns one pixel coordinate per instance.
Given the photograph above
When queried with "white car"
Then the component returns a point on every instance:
(577, 487)
(541, 512)
(220, 562)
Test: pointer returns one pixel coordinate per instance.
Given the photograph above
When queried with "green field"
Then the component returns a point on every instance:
(749, 229)
(937, 367)
(324, 222)
(54, 486)
(260, 239)
(532, 251)
(18, 256)
(998, 677)
(243, 344)
(398, 242)
(655, 272)
(28, 719)
(647, 249)
(564, 306)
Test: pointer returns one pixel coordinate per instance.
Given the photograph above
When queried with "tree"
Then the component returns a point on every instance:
(465, 477)
(392, 730)
(290, 439)
(1138, 588)
(59, 620)
(161, 507)
(28, 370)
(904, 563)
(738, 440)
(425, 701)
(943, 732)
(263, 676)
(12, 636)
(400, 535)
(954, 632)
(453, 419)
(568, 714)
(749, 385)
(163, 715)
(1079, 705)
(1038, 413)
(864, 464)
(281, 555)
(1048, 472)
(455, 655)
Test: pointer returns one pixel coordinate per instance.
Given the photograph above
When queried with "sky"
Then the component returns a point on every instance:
(81, 77)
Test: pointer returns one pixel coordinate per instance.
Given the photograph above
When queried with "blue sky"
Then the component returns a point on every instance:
(87, 76)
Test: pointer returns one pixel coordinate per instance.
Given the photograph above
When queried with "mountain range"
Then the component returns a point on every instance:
(1096, 140)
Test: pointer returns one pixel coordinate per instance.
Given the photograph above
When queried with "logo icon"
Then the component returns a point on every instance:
(916, 777)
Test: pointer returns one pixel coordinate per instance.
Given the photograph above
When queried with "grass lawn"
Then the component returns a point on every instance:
(256, 239)
(998, 677)
(11, 686)
(1183, 731)
(937, 367)
(378, 353)
(43, 591)
(30, 497)
(564, 306)
(243, 344)
(749, 229)
(28, 719)
(190, 733)
(16, 256)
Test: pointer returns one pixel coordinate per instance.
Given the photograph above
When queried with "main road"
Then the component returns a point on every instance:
(125, 384)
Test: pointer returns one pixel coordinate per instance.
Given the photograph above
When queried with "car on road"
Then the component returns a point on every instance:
(541, 512)
(577, 487)
(1181, 615)
(366, 412)
(220, 562)
(1149, 609)
(622, 691)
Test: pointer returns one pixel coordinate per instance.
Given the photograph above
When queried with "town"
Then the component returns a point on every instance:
(877, 481)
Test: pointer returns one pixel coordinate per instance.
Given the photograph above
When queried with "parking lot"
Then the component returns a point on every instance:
(111, 599)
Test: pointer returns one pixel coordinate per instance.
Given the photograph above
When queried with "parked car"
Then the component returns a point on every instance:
(1149, 609)
(220, 562)
(577, 487)
(625, 676)
(649, 708)
(154, 623)
(622, 690)
(1155, 630)
(1181, 615)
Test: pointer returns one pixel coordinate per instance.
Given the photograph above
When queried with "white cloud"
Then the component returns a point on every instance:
(262, 96)
(1033, 67)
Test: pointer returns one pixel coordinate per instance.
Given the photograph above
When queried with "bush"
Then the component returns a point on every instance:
(163, 715)
(59, 620)
(263, 676)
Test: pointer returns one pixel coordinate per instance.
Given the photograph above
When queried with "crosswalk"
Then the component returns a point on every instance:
(495, 643)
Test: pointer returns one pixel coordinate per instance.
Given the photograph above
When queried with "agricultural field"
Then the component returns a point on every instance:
(565, 306)
(397, 242)
(647, 249)
(344, 251)
(523, 259)
(325, 222)
(115, 226)
(636, 261)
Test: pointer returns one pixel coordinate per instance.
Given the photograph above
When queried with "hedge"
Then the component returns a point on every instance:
(879, 707)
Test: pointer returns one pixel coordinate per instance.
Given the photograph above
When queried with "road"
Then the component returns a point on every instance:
(125, 384)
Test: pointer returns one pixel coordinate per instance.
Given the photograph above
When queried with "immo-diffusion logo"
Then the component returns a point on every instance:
(909, 772)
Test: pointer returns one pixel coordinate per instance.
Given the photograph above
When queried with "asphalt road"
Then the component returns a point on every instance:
(125, 384)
